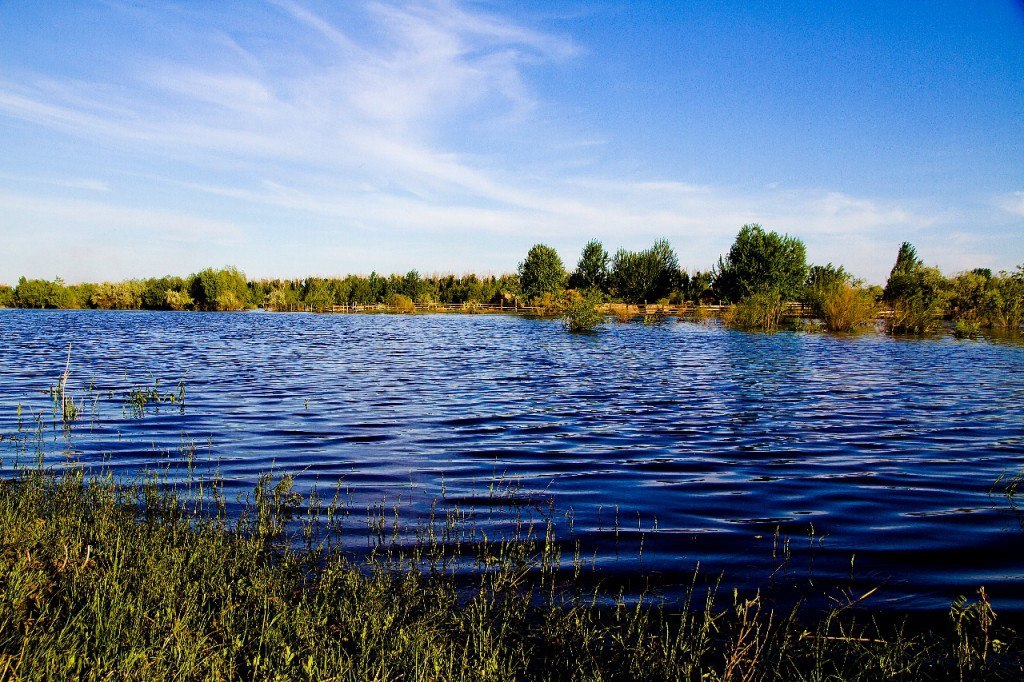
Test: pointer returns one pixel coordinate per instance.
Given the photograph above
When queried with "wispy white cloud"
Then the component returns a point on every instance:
(26, 213)
(370, 126)
(1012, 203)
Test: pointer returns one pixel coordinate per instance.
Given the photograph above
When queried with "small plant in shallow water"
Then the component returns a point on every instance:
(580, 313)
(138, 399)
(966, 329)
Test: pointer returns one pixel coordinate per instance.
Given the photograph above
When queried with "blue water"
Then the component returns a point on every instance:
(872, 460)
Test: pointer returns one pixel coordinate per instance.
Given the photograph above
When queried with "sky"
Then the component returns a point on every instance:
(293, 138)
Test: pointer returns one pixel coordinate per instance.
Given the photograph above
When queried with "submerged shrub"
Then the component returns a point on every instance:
(966, 329)
(1006, 306)
(917, 294)
(844, 307)
(580, 313)
(756, 312)
(401, 303)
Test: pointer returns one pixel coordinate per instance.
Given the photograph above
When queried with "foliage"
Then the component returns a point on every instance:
(845, 307)
(39, 293)
(1006, 306)
(580, 312)
(699, 287)
(125, 295)
(762, 262)
(647, 275)
(838, 300)
(155, 296)
(900, 281)
(918, 295)
(224, 289)
(177, 300)
(541, 273)
(7, 299)
(592, 270)
(101, 579)
(401, 303)
(757, 312)
(317, 295)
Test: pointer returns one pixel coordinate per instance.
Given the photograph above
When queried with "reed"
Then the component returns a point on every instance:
(101, 578)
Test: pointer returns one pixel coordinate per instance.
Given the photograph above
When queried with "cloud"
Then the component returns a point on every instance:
(27, 214)
(1012, 203)
(389, 122)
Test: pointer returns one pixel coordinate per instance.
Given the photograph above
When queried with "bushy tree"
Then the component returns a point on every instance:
(697, 287)
(647, 275)
(154, 294)
(918, 295)
(6, 296)
(592, 270)
(125, 295)
(40, 293)
(317, 295)
(761, 262)
(903, 274)
(224, 289)
(541, 273)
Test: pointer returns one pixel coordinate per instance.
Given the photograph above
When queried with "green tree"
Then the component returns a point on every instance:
(154, 295)
(6, 296)
(592, 270)
(541, 273)
(647, 275)
(224, 289)
(125, 295)
(175, 299)
(917, 295)
(903, 273)
(39, 293)
(317, 295)
(761, 262)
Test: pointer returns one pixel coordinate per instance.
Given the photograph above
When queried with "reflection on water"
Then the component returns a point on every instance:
(706, 442)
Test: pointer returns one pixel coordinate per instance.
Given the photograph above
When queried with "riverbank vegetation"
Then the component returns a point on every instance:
(101, 578)
(763, 276)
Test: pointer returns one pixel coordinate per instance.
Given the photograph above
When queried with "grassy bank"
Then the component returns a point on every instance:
(101, 579)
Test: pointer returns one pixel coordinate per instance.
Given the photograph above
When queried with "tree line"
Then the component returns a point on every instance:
(762, 273)
(228, 289)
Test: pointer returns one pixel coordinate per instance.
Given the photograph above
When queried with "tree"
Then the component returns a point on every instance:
(39, 293)
(902, 274)
(592, 270)
(761, 262)
(541, 273)
(918, 295)
(224, 289)
(646, 275)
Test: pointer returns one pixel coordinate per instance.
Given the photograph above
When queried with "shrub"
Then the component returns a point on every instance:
(756, 312)
(921, 302)
(6, 296)
(401, 303)
(580, 313)
(843, 307)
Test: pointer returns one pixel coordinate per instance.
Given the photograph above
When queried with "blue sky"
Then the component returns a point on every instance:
(300, 137)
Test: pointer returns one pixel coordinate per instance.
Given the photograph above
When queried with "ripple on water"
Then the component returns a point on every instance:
(708, 445)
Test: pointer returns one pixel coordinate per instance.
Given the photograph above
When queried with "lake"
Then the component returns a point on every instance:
(786, 461)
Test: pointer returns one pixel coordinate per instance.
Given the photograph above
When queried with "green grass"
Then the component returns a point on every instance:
(105, 579)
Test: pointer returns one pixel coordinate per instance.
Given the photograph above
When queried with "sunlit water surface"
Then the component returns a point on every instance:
(874, 460)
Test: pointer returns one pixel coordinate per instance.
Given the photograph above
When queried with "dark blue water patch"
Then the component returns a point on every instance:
(715, 447)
